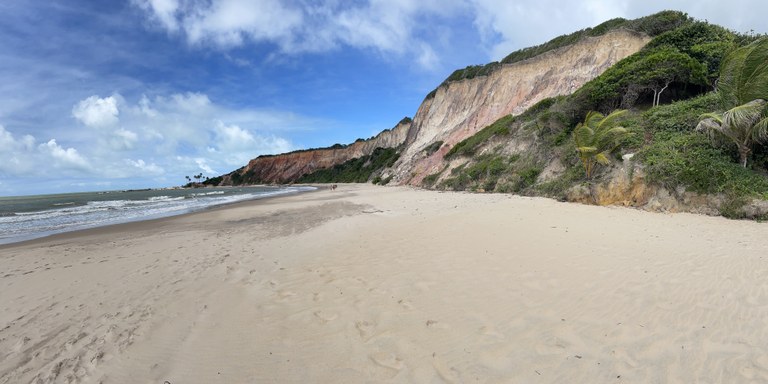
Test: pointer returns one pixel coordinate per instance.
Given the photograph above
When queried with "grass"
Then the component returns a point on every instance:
(468, 146)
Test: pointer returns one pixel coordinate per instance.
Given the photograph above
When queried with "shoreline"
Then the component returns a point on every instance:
(86, 230)
(390, 284)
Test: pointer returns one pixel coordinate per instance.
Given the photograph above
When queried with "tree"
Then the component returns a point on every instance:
(743, 125)
(597, 137)
(744, 83)
(662, 67)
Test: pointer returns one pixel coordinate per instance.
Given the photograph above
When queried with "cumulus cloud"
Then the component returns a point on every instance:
(16, 153)
(123, 139)
(401, 27)
(237, 145)
(97, 112)
(64, 158)
(384, 26)
(8, 143)
(160, 137)
(203, 164)
(151, 169)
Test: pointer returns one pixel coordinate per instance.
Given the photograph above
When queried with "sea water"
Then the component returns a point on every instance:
(29, 217)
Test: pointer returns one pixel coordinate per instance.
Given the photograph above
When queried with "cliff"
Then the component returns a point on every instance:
(460, 109)
(287, 167)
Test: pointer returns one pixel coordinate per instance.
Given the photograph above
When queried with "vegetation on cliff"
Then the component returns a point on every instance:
(652, 25)
(667, 88)
(357, 170)
(683, 77)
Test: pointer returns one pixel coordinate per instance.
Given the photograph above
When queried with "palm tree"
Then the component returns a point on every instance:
(743, 125)
(597, 137)
(744, 83)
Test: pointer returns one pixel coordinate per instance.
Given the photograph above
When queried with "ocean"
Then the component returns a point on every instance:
(29, 217)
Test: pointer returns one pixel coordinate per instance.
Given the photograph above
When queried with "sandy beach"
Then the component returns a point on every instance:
(391, 284)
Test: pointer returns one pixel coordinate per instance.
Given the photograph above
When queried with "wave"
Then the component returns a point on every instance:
(68, 217)
(208, 193)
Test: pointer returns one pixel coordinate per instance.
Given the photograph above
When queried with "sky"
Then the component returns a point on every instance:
(124, 94)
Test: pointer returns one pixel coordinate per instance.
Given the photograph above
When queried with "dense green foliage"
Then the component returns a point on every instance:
(646, 73)
(707, 43)
(214, 181)
(687, 159)
(357, 170)
(680, 116)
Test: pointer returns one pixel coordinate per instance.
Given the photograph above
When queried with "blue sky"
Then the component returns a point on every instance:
(102, 95)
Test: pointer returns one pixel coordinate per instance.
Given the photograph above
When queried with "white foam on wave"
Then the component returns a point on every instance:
(25, 225)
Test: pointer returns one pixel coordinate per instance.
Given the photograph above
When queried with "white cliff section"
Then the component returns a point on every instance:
(460, 109)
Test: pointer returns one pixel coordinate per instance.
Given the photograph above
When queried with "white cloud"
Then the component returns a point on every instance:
(388, 27)
(97, 112)
(151, 169)
(237, 145)
(16, 153)
(8, 143)
(123, 139)
(203, 164)
(400, 27)
(64, 158)
(163, 10)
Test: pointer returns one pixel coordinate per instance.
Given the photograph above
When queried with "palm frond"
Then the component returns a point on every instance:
(593, 118)
(610, 120)
(744, 74)
(602, 158)
(743, 116)
(760, 132)
(718, 117)
(586, 150)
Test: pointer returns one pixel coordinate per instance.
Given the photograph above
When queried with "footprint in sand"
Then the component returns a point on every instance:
(490, 332)
(436, 324)
(387, 360)
(283, 294)
(365, 328)
(325, 316)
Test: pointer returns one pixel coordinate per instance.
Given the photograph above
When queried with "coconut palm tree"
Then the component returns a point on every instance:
(597, 137)
(743, 125)
(743, 83)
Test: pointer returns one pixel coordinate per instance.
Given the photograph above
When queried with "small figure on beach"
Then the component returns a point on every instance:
(333, 187)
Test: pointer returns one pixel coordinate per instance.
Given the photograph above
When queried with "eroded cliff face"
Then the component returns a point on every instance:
(285, 168)
(460, 109)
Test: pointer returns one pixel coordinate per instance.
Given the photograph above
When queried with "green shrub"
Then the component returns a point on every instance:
(468, 146)
(357, 170)
(687, 159)
(432, 148)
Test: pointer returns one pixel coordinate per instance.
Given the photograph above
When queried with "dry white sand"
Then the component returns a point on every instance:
(389, 284)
